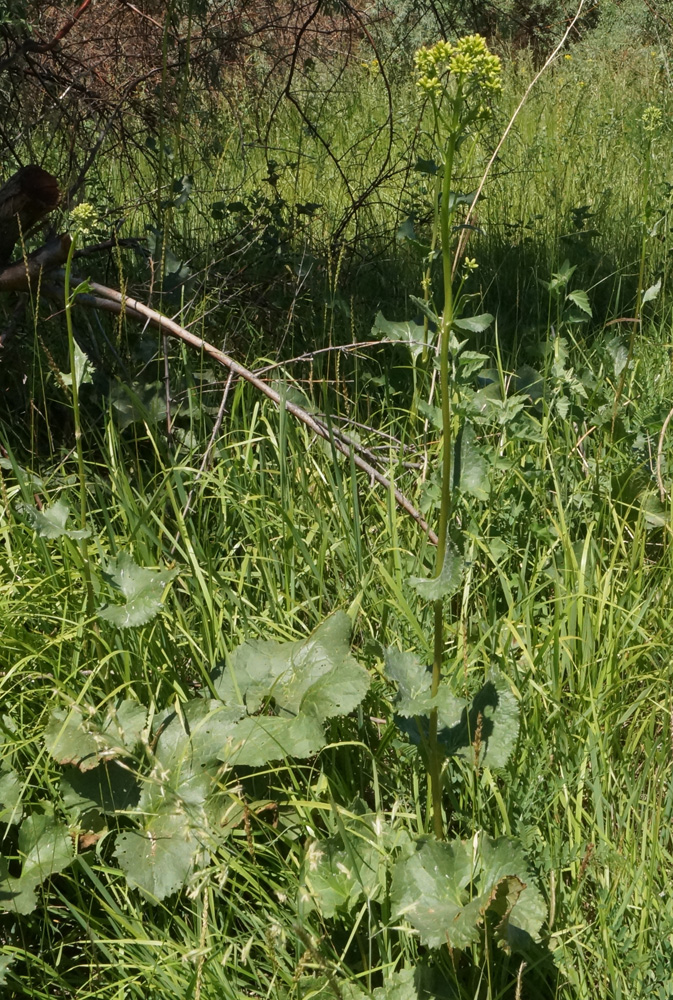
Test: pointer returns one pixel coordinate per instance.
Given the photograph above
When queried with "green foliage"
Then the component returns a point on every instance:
(273, 702)
(142, 589)
(44, 849)
(214, 801)
(51, 521)
(449, 891)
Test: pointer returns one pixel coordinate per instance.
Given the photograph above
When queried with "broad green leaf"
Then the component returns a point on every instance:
(5, 962)
(504, 858)
(142, 588)
(581, 300)
(187, 749)
(73, 738)
(196, 735)
(471, 362)
(340, 871)
(456, 198)
(529, 382)
(656, 513)
(619, 354)
(398, 986)
(50, 522)
(446, 891)
(405, 332)
(83, 367)
(448, 581)
(414, 699)
(129, 720)
(45, 849)
(260, 739)
(429, 891)
(157, 859)
(108, 788)
(138, 404)
(315, 675)
(70, 738)
(323, 988)
(651, 293)
(431, 413)
(338, 878)
(426, 166)
(474, 324)
(472, 475)
(413, 681)
(488, 730)
(10, 796)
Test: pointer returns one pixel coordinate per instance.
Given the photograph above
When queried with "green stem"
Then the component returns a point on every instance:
(446, 214)
(69, 300)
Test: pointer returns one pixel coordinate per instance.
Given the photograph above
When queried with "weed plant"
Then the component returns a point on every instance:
(566, 537)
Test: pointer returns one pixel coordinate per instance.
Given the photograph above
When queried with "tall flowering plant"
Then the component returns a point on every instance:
(460, 81)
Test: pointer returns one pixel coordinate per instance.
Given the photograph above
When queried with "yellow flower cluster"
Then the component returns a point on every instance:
(652, 118)
(469, 58)
(83, 218)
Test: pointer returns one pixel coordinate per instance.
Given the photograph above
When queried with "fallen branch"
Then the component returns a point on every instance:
(25, 275)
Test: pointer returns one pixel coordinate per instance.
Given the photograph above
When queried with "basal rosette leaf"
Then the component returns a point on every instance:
(429, 890)
(108, 788)
(142, 589)
(258, 740)
(71, 737)
(503, 859)
(340, 871)
(45, 848)
(158, 858)
(316, 675)
(448, 891)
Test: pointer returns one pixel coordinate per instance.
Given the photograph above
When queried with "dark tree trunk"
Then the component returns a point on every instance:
(28, 196)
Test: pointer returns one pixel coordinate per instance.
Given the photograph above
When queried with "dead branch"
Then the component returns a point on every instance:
(25, 274)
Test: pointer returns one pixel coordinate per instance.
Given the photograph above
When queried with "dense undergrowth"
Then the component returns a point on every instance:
(284, 878)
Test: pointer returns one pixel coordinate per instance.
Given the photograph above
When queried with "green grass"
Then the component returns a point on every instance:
(568, 590)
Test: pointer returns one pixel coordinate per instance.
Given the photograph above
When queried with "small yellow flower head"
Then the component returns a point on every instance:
(567, 56)
(470, 264)
(83, 218)
(652, 119)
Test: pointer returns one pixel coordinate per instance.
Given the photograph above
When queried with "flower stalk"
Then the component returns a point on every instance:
(458, 80)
